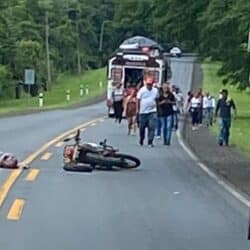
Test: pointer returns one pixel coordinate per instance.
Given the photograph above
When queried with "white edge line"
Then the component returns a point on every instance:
(212, 175)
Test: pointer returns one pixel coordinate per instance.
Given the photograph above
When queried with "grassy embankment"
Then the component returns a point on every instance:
(56, 98)
(240, 132)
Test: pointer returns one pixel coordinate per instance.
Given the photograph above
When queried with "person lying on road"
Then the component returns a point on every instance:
(8, 160)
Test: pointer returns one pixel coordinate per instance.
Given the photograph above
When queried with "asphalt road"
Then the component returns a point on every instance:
(166, 204)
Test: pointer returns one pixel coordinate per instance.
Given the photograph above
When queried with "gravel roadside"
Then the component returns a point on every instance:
(228, 162)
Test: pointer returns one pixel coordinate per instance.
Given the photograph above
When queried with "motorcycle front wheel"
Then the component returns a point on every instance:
(128, 161)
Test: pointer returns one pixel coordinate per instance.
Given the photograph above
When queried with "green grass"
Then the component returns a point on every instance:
(240, 132)
(56, 98)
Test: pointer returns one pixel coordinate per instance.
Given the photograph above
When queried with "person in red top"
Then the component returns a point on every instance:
(130, 111)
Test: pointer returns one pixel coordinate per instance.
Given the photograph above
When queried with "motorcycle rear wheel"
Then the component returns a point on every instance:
(77, 167)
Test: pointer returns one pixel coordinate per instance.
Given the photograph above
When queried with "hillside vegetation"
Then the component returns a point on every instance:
(215, 28)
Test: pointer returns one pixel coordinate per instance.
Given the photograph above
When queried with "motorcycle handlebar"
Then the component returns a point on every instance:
(77, 140)
(108, 147)
(67, 139)
(76, 137)
(105, 146)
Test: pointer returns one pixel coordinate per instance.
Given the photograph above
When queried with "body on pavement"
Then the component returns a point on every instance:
(8, 160)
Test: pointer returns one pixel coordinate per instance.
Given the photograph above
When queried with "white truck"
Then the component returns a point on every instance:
(135, 56)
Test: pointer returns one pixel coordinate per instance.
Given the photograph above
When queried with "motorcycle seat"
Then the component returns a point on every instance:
(92, 147)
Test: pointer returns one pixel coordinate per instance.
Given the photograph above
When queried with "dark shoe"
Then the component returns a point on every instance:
(150, 142)
(151, 145)
(141, 142)
(220, 143)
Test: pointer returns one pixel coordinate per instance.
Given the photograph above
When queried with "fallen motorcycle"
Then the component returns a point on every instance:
(87, 156)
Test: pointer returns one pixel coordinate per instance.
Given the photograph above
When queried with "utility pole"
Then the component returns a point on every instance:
(248, 49)
(79, 66)
(101, 35)
(248, 45)
(47, 50)
(74, 15)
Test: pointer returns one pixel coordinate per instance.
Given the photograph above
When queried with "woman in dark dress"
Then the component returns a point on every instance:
(165, 102)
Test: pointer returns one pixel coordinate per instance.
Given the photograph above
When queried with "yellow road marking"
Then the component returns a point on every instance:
(32, 175)
(83, 129)
(46, 156)
(16, 210)
(5, 188)
(59, 144)
(33, 156)
(93, 124)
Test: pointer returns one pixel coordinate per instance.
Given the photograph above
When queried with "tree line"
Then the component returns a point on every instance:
(214, 28)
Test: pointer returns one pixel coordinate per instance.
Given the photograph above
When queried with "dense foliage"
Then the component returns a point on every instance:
(215, 28)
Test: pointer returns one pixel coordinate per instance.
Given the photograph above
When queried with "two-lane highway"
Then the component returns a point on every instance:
(166, 204)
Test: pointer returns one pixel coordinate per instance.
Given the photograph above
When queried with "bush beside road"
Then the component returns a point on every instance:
(240, 133)
(56, 98)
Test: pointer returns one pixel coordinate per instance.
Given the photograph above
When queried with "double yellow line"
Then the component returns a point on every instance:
(15, 174)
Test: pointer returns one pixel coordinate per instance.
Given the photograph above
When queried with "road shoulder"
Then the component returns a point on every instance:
(85, 103)
(226, 162)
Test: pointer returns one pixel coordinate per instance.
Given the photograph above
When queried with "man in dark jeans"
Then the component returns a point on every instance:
(224, 106)
(146, 106)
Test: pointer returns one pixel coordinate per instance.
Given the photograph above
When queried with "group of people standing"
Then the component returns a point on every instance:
(157, 109)
(204, 109)
(201, 107)
(149, 107)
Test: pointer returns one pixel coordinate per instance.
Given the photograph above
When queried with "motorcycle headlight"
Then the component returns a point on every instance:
(68, 152)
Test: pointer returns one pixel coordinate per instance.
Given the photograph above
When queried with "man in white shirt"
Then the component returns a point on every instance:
(208, 107)
(178, 107)
(146, 106)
